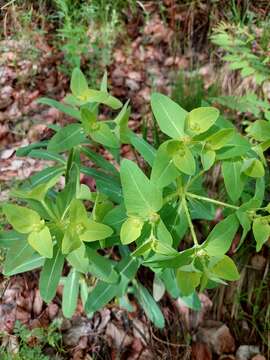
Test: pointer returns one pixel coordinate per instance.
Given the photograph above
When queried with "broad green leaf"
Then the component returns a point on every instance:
(187, 281)
(34, 262)
(149, 305)
(184, 160)
(101, 97)
(261, 232)
(164, 171)
(45, 175)
(70, 293)
(95, 231)
(17, 255)
(141, 196)
(220, 138)
(66, 109)
(101, 267)
(88, 120)
(131, 230)
(71, 240)
(38, 192)
(66, 138)
(201, 119)
(79, 260)
(169, 115)
(78, 84)
(116, 217)
(233, 179)
(47, 155)
(259, 130)
(237, 146)
(226, 269)
(208, 158)
(121, 130)
(164, 249)
(104, 292)
(104, 135)
(220, 238)
(253, 168)
(22, 219)
(10, 238)
(41, 241)
(163, 234)
(50, 275)
(165, 261)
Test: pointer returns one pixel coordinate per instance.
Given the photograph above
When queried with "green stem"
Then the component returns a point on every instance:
(192, 230)
(217, 202)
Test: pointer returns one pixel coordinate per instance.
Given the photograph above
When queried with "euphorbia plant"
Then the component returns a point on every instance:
(133, 220)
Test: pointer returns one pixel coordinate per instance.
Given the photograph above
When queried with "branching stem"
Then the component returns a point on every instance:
(217, 202)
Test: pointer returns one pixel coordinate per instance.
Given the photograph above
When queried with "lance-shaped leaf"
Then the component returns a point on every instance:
(50, 275)
(149, 305)
(17, 255)
(70, 293)
(101, 97)
(66, 138)
(259, 130)
(201, 119)
(261, 232)
(147, 151)
(101, 267)
(78, 83)
(47, 155)
(208, 158)
(66, 109)
(164, 171)
(10, 238)
(22, 219)
(141, 196)
(41, 241)
(169, 115)
(34, 262)
(78, 259)
(88, 120)
(121, 130)
(131, 230)
(234, 181)
(220, 238)
(37, 193)
(95, 231)
(71, 240)
(104, 135)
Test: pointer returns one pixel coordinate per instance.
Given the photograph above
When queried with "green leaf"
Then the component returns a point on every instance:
(146, 150)
(102, 97)
(164, 171)
(50, 275)
(226, 269)
(47, 155)
(220, 138)
(158, 288)
(88, 120)
(41, 241)
(121, 130)
(70, 293)
(201, 119)
(253, 168)
(66, 138)
(143, 248)
(220, 238)
(169, 115)
(45, 175)
(22, 219)
(183, 159)
(245, 223)
(78, 84)
(131, 230)
(140, 195)
(237, 146)
(10, 238)
(66, 109)
(261, 232)
(234, 182)
(101, 267)
(149, 305)
(95, 231)
(176, 261)
(17, 255)
(79, 260)
(187, 281)
(208, 159)
(259, 130)
(71, 240)
(99, 160)
(104, 135)
(34, 262)
(163, 234)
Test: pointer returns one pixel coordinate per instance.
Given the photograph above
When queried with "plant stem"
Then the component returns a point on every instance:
(217, 202)
(192, 230)
(50, 213)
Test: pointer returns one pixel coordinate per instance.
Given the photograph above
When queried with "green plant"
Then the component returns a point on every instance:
(244, 51)
(132, 221)
(38, 337)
